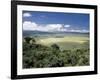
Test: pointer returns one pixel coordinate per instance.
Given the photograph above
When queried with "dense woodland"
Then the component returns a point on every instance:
(38, 56)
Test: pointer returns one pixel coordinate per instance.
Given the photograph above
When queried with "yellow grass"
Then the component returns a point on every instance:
(50, 40)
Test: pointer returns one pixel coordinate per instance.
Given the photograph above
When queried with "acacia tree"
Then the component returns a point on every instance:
(55, 46)
(27, 39)
(32, 41)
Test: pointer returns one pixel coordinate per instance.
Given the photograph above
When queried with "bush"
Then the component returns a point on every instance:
(27, 39)
(55, 46)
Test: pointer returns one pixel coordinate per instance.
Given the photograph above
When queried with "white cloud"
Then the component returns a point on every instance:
(66, 26)
(27, 15)
(28, 25)
(54, 27)
(81, 31)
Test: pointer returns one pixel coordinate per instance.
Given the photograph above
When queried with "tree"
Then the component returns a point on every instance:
(27, 39)
(55, 46)
(32, 41)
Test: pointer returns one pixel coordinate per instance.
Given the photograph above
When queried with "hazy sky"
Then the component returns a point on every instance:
(55, 21)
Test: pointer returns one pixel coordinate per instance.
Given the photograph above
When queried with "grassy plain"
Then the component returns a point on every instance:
(66, 42)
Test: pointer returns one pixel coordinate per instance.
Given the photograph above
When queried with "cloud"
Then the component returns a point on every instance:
(81, 31)
(27, 15)
(54, 27)
(28, 25)
(66, 26)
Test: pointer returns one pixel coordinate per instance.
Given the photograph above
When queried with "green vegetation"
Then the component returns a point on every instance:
(55, 52)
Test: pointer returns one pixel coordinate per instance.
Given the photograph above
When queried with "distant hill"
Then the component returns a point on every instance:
(31, 33)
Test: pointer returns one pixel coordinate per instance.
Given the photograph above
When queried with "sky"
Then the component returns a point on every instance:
(55, 21)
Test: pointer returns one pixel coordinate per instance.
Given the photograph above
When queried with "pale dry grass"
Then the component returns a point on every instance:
(49, 41)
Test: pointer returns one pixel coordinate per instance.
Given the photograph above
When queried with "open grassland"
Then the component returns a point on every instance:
(64, 43)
